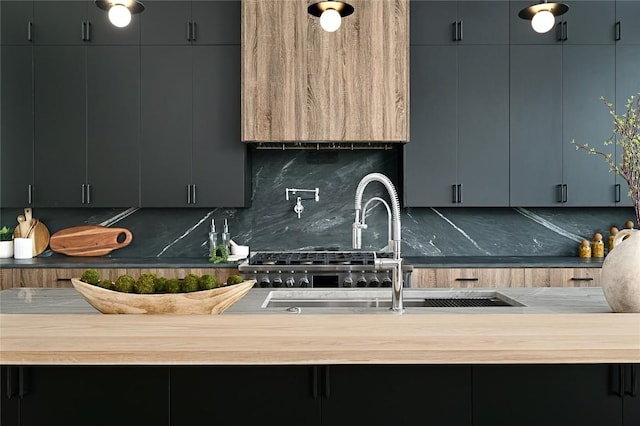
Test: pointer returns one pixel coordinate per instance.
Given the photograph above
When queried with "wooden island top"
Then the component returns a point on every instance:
(81, 336)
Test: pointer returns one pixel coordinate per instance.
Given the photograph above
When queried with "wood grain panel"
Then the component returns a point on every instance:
(562, 277)
(467, 277)
(300, 83)
(319, 339)
(6, 278)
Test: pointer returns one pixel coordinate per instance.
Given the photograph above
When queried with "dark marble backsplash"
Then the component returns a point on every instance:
(271, 224)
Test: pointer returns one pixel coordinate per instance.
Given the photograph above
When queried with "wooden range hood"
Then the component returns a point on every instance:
(302, 84)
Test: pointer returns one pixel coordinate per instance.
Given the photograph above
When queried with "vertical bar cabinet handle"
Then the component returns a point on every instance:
(565, 28)
(454, 31)
(29, 34)
(82, 193)
(188, 30)
(193, 194)
(459, 192)
(83, 30)
(460, 36)
(617, 192)
(193, 30)
(88, 194)
(88, 31)
(29, 194)
(565, 192)
(454, 193)
(618, 32)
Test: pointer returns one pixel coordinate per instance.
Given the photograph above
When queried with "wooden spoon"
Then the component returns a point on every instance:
(23, 226)
(32, 227)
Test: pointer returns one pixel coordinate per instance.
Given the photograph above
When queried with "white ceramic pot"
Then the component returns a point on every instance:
(6, 249)
(620, 273)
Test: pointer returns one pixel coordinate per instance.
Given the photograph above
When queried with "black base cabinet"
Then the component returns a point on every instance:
(85, 395)
(585, 395)
(336, 395)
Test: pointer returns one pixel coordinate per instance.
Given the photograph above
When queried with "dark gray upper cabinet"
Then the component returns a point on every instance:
(17, 22)
(16, 148)
(548, 113)
(113, 126)
(166, 111)
(197, 22)
(588, 73)
(459, 149)
(586, 22)
(536, 125)
(219, 172)
(79, 22)
(458, 153)
(193, 155)
(627, 29)
(627, 84)
(464, 22)
(86, 126)
(60, 125)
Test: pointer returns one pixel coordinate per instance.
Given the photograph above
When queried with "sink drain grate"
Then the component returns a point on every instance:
(463, 302)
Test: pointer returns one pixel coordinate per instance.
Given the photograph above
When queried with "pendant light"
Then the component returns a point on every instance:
(330, 13)
(543, 15)
(120, 10)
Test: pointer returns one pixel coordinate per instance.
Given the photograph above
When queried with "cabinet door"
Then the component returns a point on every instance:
(628, 14)
(430, 158)
(588, 73)
(249, 395)
(484, 22)
(631, 401)
(467, 277)
(627, 84)
(165, 22)
(9, 395)
(166, 114)
(60, 126)
(102, 395)
(216, 22)
(431, 22)
(552, 395)
(424, 394)
(535, 125)
(17, 22)
(113, 126)
(59, 22)
(218, 155)
(483, 127)
(562, 277)
(589, 22)
(16, 149)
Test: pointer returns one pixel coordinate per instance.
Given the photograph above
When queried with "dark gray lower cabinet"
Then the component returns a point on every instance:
(85, 395)
(452, 395)
(595, 394)
(322, 395)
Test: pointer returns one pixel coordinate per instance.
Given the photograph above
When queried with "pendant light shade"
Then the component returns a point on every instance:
(330, 13)
(120, 11)
(542, 15)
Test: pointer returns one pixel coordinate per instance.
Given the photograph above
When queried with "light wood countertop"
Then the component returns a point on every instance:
(85, 339)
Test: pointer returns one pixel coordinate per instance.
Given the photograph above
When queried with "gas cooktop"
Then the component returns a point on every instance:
(315, 258)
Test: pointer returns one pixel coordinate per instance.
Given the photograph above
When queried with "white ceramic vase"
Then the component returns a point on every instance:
(6, 249)
(620, 273)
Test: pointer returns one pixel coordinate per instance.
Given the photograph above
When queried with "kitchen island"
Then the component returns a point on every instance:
(561, 358)
(554, 325)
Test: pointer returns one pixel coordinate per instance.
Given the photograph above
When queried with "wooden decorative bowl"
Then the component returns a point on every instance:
(214, 301)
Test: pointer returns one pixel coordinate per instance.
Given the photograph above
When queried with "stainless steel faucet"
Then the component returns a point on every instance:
(395, 263)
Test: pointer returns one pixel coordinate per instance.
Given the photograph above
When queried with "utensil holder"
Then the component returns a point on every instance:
(23, 248)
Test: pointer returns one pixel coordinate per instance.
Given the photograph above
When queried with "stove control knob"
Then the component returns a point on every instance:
(362, 281)
(348, 281)
(277, 281)
(374, 282)
(304, 281)
(265, 282)
(290, 282)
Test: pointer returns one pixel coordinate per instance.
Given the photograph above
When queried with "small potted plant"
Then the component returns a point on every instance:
(6, 242)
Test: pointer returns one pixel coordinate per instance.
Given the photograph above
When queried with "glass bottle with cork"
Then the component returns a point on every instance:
(597, 247)
(213, 238)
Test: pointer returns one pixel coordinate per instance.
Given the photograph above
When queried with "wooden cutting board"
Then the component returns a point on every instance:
(89, 240)
(40, 235)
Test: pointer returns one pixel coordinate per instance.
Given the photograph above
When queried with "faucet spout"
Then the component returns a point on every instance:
(395, 240)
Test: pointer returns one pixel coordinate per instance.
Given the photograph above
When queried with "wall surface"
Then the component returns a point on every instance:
(271, 224)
